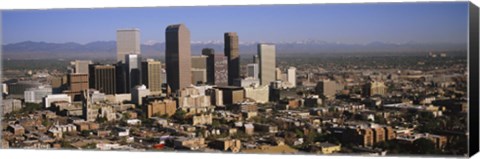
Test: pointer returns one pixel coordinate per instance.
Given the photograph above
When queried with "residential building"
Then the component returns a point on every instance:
(160, 107)
(232, 145)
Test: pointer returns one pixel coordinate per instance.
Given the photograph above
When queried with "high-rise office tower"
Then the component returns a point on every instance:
(128, 42)
(199, 76)
(292, 76)
(327, 88)
(231, 51)
(252, 70)
(102, 78)
(199, 62)
(137, 94)
(255, 59)
(134, 70)
(164, 76)
(278, 74)
(221, 70)
(199, 69)
(266, 56)
(121, 78)
(374, 88)
(152, 75)
(210, 53)
(81, 66)
(178, 56)
(77, 82)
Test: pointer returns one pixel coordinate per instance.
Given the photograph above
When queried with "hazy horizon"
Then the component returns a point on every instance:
(358, 24)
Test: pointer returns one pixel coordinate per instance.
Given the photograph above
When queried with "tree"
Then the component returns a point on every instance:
(66, 144)
(86, 133)
(30, 108)
(126, 115)
(310, 137)
(423, 146)
(216, 123)
(327, 137)
(380, 120)
(101, 120)
(180, 115)
(46, 123)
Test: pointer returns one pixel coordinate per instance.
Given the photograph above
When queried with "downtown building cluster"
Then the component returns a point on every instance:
(211, 102)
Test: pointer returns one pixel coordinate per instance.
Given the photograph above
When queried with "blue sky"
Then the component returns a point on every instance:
(343, 23)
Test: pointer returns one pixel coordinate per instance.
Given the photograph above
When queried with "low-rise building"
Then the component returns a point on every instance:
(36, 94)
(11, 105)
(265, 128)
(232, 94)
(134, 122)
(313, 101)
(327, 148)
(232, 145)
(119, 98)
(190, 143)
(85, 126)
(258, 94)
(216, 96)
(249, 128)
(16, 129)
(202, 119)
(5, 144)
(49, 99)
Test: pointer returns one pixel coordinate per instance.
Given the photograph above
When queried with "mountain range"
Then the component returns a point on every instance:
(107, 49)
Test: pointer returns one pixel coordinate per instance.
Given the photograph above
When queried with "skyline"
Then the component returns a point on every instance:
(437, 22)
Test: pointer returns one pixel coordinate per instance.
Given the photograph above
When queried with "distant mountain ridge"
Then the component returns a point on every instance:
(107, 49)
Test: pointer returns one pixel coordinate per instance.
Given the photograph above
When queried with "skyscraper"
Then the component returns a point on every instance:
(151, 75)
(121, 78)
(76, 82)
(199, 69)
(210, 53)
(102, 78)
(128, 42)
(199, 62)
(266, 56)
(134, 70)
(374, 88)
(278, 74)
(231, 51)
(178, 56)
(327, 88)
(292, 76)
(137, 94)
(221, 70)
(199, 76)
(81, 66)
(252, 70)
